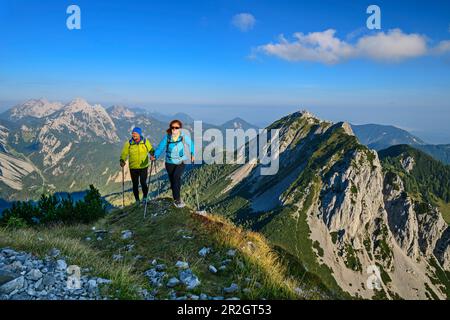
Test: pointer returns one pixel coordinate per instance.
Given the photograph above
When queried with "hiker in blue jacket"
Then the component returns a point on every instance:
(173, 144)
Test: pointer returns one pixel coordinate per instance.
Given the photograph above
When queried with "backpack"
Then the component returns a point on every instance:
(169, 141)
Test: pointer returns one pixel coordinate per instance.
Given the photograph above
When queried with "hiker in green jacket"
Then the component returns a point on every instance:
(136, 151)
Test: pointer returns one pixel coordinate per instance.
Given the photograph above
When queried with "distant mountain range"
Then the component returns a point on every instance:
(380, 137)
(55, 147)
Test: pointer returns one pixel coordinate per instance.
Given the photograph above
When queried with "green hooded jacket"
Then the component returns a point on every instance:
(137, 153)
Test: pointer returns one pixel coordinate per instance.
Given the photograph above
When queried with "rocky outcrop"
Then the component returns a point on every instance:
(408, 164)
(442, 249)
(351, 197)
(419, 229)
(402, 219)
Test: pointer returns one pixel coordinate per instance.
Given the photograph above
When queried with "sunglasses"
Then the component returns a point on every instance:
(174, 128)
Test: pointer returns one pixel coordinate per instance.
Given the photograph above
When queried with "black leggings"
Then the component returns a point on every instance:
(136, 175)
(175, 171)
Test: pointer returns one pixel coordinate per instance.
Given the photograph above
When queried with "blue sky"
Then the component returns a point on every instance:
(201, 57)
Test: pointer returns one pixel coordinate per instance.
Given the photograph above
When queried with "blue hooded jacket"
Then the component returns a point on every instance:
(175, 153)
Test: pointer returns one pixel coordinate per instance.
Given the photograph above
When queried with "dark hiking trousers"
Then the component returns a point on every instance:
(175, 171)
(139, 175)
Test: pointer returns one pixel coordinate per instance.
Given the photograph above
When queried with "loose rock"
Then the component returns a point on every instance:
(182, 265)
(189, 279)
(232, 288)
(173, 282)
(212, 269)
(36, 279)
(54, 253)
(231, 253)
(127, 234)
(204, 251)
(117, 257)
(34, 275)
(61, 265)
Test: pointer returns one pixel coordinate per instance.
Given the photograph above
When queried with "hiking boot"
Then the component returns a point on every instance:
(179, 204)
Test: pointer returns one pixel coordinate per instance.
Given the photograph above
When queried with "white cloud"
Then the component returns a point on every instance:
(326, 47)
(392, 46)
(443, 47)
(244, 21)
(316, 46)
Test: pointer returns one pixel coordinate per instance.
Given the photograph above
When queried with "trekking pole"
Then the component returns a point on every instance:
(196, 196)
(149, 180)
(199, 212)
(123, 187)
(159, 182)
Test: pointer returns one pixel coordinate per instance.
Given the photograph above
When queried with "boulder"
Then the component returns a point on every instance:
(8, 252)
(13, 285)
(6, 276)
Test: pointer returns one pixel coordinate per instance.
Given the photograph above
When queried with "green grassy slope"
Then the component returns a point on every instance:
(167, 235)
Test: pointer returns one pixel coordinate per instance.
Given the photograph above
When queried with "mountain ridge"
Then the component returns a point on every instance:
(381, 137)
(333, 212)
